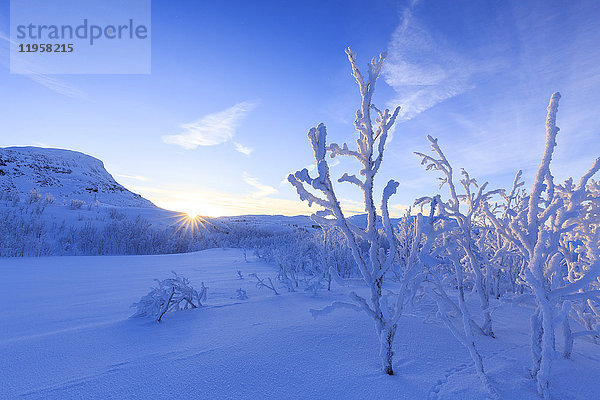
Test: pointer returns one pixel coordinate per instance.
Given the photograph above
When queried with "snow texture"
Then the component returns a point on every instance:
(68, 334)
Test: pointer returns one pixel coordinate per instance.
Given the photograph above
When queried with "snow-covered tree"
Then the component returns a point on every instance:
(503, 261)
(581, 249)
(556, 229)
(471, 198)
(439, 254)
(377, 260)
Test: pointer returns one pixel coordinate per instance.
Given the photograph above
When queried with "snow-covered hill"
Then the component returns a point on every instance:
(64, 174)
(63, 202)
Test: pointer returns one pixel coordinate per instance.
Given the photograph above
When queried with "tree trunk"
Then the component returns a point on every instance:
(568, 338)
(386, 340)
(536, 343)
(543, 377)
(542, 337)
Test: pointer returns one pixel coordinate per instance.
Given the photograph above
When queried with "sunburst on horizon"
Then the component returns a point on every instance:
(191, 222)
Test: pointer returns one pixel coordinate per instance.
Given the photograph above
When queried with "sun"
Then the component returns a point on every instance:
(195, 208)
(193, 213)
(203, 209)
(191, 222)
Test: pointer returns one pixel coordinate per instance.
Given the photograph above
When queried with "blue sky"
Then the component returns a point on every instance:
(235, 86)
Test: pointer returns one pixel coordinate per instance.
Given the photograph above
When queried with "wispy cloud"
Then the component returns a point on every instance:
(242, 149)
(423, 70)
(29, 71)
(213, 129)
(262, 190)
(134, 177)
(55, 85)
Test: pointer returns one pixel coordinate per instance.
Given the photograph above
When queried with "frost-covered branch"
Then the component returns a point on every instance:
(261, 283)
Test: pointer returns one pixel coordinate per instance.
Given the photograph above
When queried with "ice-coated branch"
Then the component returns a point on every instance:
(351, 179)
(385, 123)
(590, 276)
(544, 168)
(441, 164)
(355, 70)
(586, 177)
(364, 305)
(517, 183)
(260, 283)
(388, 191)
(336, 150)
(296, 180)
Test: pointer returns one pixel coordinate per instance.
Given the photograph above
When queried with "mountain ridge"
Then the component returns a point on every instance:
(64, 174)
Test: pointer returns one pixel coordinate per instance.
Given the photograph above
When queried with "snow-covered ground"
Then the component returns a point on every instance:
(65, 333)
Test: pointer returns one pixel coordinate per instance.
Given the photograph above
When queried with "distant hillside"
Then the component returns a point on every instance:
(64, 174)
(63, 202)
(273, 223)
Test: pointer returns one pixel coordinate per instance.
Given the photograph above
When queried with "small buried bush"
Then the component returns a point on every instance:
(172, 294)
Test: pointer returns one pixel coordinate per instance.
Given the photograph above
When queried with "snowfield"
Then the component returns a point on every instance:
(67, 334)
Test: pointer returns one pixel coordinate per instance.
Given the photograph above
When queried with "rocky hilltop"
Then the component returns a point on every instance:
(65, 175)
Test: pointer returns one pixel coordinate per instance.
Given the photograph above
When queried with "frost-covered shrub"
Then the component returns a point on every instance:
(49, 198)
(34, 196)
(261, 283)
(461, 208)
(297, 259)
(241, 294)
(113, 213)
(304, 257)
(539, 247)
(171, 294)
(26, 231)
(76, 204)
(581, 252)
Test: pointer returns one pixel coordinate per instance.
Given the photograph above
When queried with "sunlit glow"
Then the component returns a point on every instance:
(191, 224)
(193, 213)
(206, 203)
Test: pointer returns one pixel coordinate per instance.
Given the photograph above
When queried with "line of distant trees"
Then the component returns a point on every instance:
(27, 230)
